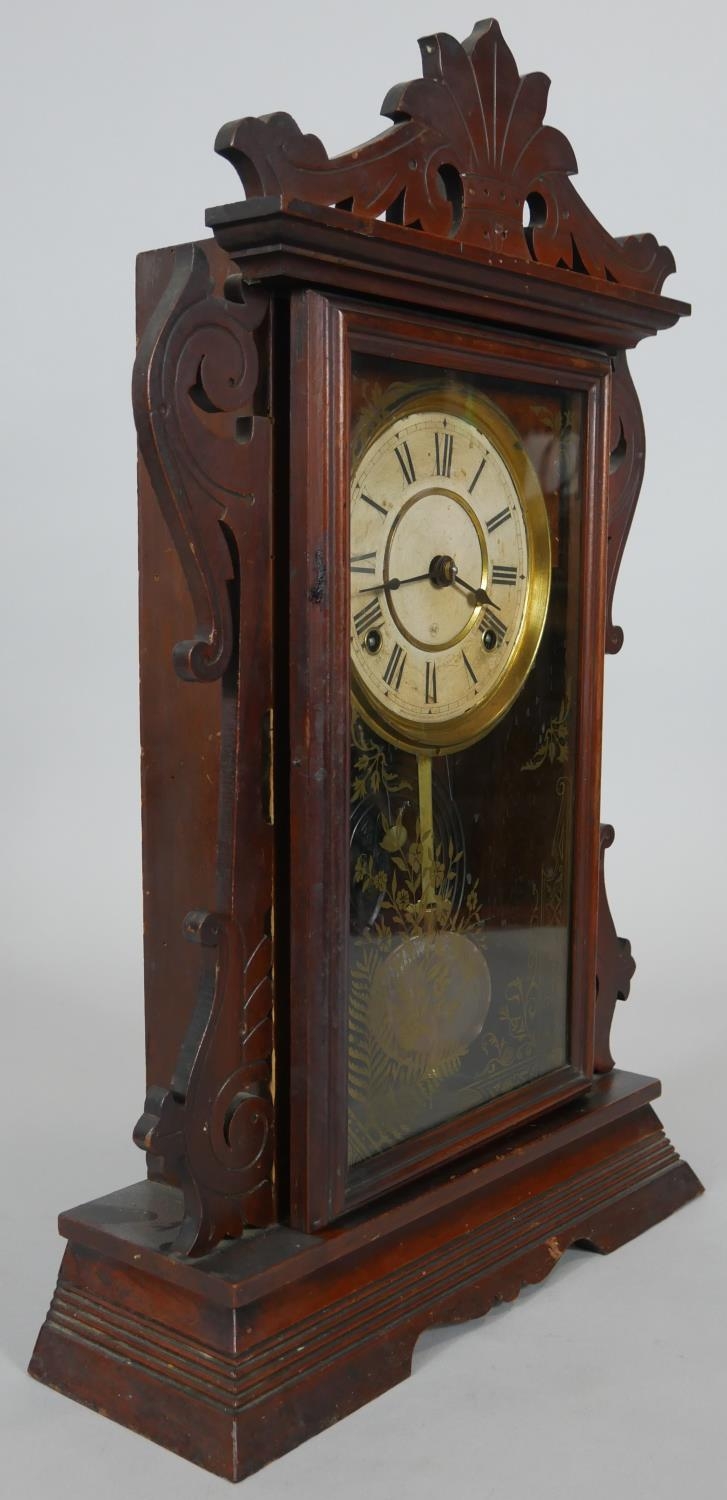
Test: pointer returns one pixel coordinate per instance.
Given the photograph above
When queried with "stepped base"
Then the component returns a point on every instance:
(232, 1359)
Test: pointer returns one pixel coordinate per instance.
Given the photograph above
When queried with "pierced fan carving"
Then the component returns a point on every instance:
(468, 158)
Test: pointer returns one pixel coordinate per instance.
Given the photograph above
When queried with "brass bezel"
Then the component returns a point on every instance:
(467, 728)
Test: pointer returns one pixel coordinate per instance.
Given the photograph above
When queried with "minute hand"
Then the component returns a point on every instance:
(393, 583)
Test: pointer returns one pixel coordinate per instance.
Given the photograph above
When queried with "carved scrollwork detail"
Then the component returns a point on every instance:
(213, 1127)
(468, 158)
(626, 472)
(205, 437)
(195, 374)
(615, 966)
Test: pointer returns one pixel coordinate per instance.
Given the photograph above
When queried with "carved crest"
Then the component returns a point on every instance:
(468, 158)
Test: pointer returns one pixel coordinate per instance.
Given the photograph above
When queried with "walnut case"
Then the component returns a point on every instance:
(255, 1287)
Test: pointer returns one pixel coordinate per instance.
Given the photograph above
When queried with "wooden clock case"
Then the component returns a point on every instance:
(247, 1295)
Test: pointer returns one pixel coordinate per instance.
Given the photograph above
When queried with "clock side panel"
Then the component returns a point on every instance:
(180, 757)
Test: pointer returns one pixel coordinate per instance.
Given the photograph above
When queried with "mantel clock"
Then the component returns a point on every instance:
(390, 451)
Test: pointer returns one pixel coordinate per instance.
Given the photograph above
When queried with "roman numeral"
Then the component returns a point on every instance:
(430, 686)
(369, 617)
(363, 562)
(498, 520)
(395, 668)
(443, 454)
(375, 505)
(405, 459)
(503, 574)
(491, 621)
(477, 475)
(469, 667)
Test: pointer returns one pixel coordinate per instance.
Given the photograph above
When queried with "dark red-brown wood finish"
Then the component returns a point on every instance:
(468, 160)
(456, 236)
(206, 447)
(234, 1358)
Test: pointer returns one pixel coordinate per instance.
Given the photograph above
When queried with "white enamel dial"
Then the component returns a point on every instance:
(442, 572)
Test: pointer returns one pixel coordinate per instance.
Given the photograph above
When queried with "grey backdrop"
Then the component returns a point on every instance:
(613, 1369)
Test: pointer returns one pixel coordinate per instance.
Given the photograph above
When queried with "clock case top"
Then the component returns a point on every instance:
(253, 593)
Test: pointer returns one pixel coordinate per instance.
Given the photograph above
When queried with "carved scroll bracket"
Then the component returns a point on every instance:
(207, 448)
(628, 454)
(468, 158)
(615, 967)
(195, 376)
(213, 1126)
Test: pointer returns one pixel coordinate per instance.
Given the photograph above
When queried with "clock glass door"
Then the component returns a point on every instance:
(465, 561)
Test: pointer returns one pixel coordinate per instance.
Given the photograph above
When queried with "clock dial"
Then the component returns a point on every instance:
(450, 569)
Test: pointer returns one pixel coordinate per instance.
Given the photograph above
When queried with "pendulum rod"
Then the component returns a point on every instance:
(426, 831)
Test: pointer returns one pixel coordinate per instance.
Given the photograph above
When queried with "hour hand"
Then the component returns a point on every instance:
(480, 595)
(391, 584)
